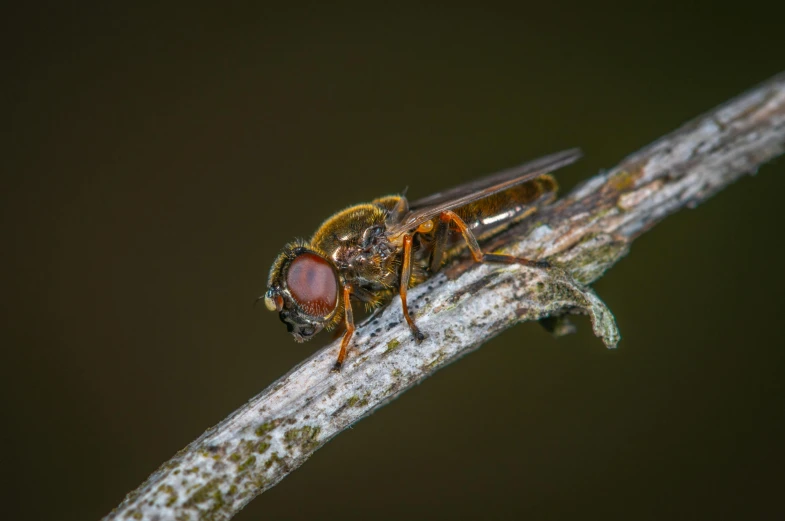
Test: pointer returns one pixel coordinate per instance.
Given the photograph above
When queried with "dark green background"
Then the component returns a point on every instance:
(155, 160)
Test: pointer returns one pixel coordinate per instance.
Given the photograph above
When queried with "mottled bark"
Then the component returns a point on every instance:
(586, 232)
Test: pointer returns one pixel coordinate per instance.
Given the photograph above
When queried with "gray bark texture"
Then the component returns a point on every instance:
(584, 234)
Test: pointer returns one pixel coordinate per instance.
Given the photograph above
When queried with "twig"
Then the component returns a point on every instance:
(586, 232)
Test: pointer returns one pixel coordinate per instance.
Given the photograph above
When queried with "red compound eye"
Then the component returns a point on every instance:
(312, 283)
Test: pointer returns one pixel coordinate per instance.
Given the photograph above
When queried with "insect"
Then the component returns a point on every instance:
(369, 252)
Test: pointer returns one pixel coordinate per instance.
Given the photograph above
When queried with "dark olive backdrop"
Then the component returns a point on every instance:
(156, 160)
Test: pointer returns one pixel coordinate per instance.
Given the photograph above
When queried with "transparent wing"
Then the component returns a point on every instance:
(431, 206)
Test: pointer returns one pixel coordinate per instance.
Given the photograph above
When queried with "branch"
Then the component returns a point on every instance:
(585, 232)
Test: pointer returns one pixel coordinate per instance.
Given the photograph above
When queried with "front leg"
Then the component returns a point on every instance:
(349, 318)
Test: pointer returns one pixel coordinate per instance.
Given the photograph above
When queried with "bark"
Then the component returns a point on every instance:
(585, 233)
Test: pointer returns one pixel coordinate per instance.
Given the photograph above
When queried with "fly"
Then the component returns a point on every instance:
(371, 251)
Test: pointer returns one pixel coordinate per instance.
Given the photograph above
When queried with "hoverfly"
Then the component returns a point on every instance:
(369, 252)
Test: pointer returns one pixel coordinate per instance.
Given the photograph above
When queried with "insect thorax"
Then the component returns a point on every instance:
(354, 239)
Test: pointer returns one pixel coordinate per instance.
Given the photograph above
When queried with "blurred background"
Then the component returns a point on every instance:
(155, 159)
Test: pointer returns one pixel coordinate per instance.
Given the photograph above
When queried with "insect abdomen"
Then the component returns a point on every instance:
(492, 215)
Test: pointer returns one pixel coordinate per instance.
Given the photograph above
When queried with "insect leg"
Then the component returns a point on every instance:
(406, 275)
(439, 244)
(349, 319)
(478, 255)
